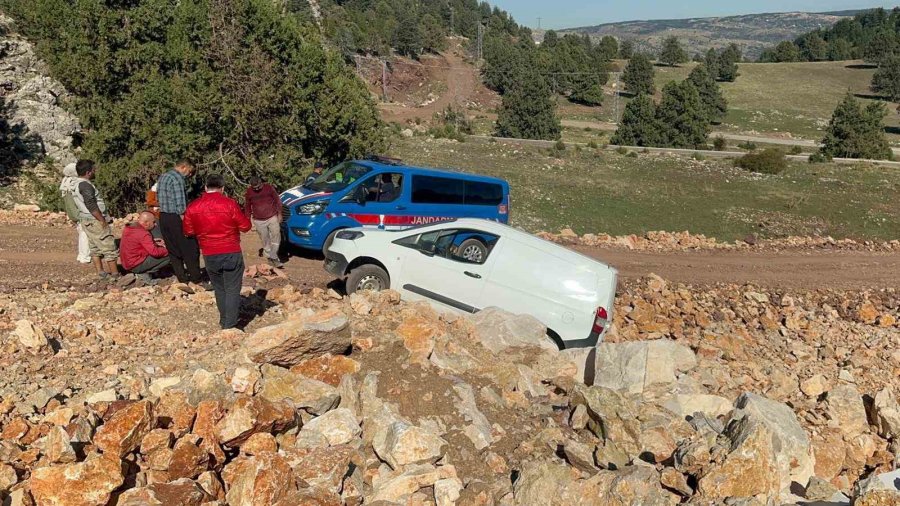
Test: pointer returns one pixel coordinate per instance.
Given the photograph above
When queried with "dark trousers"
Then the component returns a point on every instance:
(183, 251)
(151, 265)
(226, 272)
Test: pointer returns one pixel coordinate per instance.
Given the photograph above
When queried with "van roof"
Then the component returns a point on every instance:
(456, 174)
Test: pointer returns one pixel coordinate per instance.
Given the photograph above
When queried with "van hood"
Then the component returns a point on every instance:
(300, 194)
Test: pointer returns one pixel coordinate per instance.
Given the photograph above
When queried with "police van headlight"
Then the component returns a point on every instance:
(313, 207)
(349, 235)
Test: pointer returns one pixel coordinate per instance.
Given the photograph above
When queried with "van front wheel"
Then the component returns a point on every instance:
(367, 277)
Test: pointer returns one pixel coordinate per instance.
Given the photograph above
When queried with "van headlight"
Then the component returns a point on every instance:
(313, 207)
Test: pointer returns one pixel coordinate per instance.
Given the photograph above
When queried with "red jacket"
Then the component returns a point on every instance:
(262, 204)
(136, 245)
(217, 222)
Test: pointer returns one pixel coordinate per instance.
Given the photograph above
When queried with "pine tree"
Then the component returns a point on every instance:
(711, 60)
(638, 75)
(813, 48)
(855, 132)
(886, 81)
(608, 47)
(682, 116)
(882, 46)
(587, 90)
(840, 49)
(786, 51)
(672, 53)
(711, 96)
(434, 35)
(408, 38)
(527, 112)
(626, 49)
(727, 69)
(639, 126)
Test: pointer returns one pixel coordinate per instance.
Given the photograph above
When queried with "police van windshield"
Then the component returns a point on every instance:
(339, 177)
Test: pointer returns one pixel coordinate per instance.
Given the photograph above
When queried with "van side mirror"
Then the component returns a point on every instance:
(360, 194)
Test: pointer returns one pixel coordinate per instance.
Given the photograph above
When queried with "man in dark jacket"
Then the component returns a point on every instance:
(217, 222)
(317, 171)
(263, 206)
(171, 194)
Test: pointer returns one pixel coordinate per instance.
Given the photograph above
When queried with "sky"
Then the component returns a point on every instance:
(574, 13)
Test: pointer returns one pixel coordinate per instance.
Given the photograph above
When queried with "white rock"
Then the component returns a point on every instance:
(338, 426)
(639, 366)
(104, 396)
(687, 404)
(30, 336)
(160, 385)
(446, 491)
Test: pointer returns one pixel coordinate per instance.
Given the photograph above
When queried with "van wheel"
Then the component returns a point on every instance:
(329, 240)
(473, 250)
(367, 277)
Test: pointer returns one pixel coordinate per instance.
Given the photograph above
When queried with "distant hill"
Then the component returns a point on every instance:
(751, 32)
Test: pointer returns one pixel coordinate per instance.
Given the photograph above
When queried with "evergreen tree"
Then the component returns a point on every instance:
(840, 49)
(856, 132)
(638, 75)
(711, 60)
(408, 37)
(886, 81)
(639, 126)
(713, 101)
(682, 116)
(727, 69)
(434, 35)
(551, 39)
(527, 112)
(882, 46)
(587, 90)
(786, 51)
(813, 48)
(608, 47)
(672, 53)
(626, 49)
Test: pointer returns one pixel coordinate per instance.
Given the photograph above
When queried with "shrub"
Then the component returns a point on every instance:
(622, 150)
(698, 157)
(749, 146)
(767, 161)
(818, 157)
(795, 150)
(559, 146)
(719, 143)
(592, 145)
(632, 154)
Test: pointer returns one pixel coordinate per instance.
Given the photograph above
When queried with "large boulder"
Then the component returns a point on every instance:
(182, 492)
(641, 366)
(685, 405)
(250, 415)
(280, 384)
(260, 479)
(611, 416)
(626, 487)
(405, 444)
(885, 412)
(498, 330)
(296, 340)
(323, 467)
(749, 469)
(846, 408)
(88, 483)
(546, 483)
(793, 451)
(877, 490)
(123, 432)
(338, 426)
(398, 486)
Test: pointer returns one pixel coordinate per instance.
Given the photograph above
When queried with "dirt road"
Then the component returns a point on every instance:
(34, 256)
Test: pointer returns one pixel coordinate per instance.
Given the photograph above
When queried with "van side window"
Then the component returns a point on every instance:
(437, 190)
(383, 187)
(483, 194)
(465, 246)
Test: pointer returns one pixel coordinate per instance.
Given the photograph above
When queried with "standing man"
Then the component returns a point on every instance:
(172, 197)
(67, 189)
(263, 206)
(95, 223)
(317, 171)
(217, 222)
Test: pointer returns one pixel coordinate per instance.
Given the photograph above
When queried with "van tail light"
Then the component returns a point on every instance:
(601, 320)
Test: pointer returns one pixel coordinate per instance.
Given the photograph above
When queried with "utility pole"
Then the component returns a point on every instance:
(452, 23)
(539, 23)
(384, 93)
(616, 91)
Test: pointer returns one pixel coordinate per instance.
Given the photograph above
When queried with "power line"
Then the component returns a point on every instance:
(458, 69)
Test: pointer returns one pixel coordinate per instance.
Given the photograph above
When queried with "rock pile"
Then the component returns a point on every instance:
(700, 396)
(683, 241)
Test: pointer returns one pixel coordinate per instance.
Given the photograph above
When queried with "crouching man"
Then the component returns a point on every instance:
(139, 252)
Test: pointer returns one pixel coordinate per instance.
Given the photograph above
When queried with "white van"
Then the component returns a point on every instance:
(468, 264)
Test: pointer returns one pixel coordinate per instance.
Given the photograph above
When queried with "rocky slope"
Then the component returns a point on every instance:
(724, 395)
(32, 100)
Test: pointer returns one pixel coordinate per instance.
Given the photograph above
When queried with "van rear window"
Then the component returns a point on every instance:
(444, 190)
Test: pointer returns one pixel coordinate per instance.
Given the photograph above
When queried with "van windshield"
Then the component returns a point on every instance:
(339, 177)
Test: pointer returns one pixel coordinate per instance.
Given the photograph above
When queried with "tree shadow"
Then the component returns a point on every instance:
(17, 144)
(871, 96)
(895, 130)
(861, 66)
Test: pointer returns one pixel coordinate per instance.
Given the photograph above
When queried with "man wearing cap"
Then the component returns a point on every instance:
(263, 206)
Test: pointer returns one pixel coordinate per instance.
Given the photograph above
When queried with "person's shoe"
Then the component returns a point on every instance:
(125, 280)
(278, 264)
(260, 252)
(147, 280)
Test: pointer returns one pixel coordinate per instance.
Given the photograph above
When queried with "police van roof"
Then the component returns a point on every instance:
(456, 174)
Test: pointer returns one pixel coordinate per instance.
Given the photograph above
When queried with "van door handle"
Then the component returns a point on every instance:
(401, 208)
(472, 275)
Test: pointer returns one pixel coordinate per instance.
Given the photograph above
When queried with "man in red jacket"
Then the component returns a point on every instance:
(217, 222)
(139, 252)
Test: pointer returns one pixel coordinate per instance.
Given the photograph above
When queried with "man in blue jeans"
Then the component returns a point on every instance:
(217, 222)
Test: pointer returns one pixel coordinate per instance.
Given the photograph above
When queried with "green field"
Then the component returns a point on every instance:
(603, 191)
(770, 99)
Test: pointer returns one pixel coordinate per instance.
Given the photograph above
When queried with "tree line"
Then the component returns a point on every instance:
(234, 85)
(872, 35)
